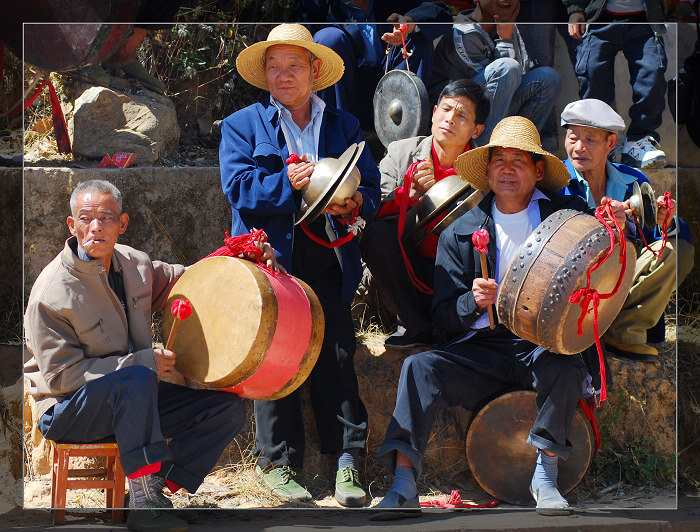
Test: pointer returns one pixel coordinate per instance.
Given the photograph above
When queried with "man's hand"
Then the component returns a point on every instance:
(620, 211)
(485, 292)
(661, 213)
(300, 173)
(423, 179)
(165, 362)
(577, 25)
(350, 204)
(394, 38)
(268, 257)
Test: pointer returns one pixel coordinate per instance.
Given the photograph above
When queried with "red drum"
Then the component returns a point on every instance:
(252, 332)
(552, 264)
(502, 461)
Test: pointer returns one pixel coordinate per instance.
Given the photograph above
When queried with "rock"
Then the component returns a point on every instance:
(107, 121)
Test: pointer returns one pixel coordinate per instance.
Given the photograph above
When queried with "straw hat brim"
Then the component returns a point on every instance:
(250, 63)
(471, 165)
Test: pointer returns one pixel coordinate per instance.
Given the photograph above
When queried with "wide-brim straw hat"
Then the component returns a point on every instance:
(251, 61)
(512, 132)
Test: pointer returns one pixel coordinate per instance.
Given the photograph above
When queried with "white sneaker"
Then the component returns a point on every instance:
(643, 153)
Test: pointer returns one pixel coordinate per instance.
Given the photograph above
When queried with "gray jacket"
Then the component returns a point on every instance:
(76, 329)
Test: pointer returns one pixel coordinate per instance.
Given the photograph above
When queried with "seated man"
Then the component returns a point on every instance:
(362, 45)
(481, 47)
(522, 179)
(591, 134)
(457, 120)
(94, 373)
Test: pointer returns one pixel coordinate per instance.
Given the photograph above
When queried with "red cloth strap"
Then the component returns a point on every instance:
(588, 407)
(664, 227)
(241, 246)
(345, 220)
(59, 122)
(589, 296)
(408, 177)
(148, 469)
(454, 501)
(172, 486)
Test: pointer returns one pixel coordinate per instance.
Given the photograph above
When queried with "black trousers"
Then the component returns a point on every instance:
(381, 252)
(341, 418)
(471, 372)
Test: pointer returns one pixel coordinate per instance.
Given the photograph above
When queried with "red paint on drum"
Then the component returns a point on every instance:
(289, 343)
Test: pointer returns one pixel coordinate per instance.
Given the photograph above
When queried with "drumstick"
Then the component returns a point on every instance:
(480, 239)
(181, 310)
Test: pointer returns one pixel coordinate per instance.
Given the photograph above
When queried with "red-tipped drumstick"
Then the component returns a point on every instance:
(181, 310)
(480, 239)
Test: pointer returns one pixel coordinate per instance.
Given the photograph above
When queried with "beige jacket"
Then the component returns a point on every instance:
(76, 329)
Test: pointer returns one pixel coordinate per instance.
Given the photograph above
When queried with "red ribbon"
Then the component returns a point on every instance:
(454, 501)
(241, 246)
(587, 295)
(345, 220)
(293, 158)
(403, 208)
(402, 28)
(588, 407)
(60, 129)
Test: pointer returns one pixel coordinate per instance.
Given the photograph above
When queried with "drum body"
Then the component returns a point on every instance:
(533, 299)
(502, 461)
(252, 331)
(401, 108)
(62, 47)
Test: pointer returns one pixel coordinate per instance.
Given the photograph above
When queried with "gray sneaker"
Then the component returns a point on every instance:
(643, 153)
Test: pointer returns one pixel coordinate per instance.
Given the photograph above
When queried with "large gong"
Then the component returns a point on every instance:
(502, 461)
(401, 108)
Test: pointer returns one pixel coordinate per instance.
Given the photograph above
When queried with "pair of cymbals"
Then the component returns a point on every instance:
(331, 182)
(643, 203)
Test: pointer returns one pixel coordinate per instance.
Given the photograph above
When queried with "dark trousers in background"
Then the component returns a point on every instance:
(469, 373)
(380, 250)
(131, 406)
(341, 418)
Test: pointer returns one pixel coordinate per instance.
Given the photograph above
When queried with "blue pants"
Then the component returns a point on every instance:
(469, 373)
(531, 95)
(140, 412)
(355, 90)
(645, 53)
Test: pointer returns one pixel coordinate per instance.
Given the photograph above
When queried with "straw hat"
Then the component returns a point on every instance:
(511, 132)
(250, 62)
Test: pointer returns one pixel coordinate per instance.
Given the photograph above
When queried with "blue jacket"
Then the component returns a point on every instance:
(252, 157)
(573, 189)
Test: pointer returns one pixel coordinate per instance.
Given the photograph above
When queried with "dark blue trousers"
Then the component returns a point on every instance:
(645, 53)
(469, 373)
(131, 406)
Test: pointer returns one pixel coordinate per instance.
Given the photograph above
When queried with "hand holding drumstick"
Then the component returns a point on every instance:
(484, 289)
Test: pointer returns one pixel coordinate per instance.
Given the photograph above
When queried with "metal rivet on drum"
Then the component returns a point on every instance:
(515, 268)
(573, 268)
(522, 264)
(529, 252)
(529, 244)
(538, 231)
(515, 280)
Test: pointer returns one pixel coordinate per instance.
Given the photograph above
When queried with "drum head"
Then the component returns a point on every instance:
(401, 108)
(502, 461)
(232, 323)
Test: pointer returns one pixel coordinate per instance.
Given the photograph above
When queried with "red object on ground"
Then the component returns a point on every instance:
(120, 159)
(454, 501)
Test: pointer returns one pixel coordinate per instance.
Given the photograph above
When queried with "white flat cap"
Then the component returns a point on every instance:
(592, 113)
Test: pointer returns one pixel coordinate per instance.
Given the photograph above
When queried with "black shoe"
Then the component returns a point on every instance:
(401, 339)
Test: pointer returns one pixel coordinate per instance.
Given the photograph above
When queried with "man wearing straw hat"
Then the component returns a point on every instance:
(263, 183)
(591, 134)
(521, 181)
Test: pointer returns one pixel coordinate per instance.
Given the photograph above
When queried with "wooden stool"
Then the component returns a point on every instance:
(113, 480)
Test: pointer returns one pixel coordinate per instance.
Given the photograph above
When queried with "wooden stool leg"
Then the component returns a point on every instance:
(109, 492)
(61, 486)
(119, 488)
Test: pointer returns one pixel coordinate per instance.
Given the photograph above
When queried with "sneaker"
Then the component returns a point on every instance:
(348, 490)
(397, 506)
(188, 515)
(152, 518)
(402, 340)
(280, 481)
(643, 153)
(644, 352)
(549, 500)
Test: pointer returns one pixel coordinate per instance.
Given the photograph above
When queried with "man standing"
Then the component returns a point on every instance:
(521, 179)
(457, 120)
(264, 190)
(591, 134)
(94, 373)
